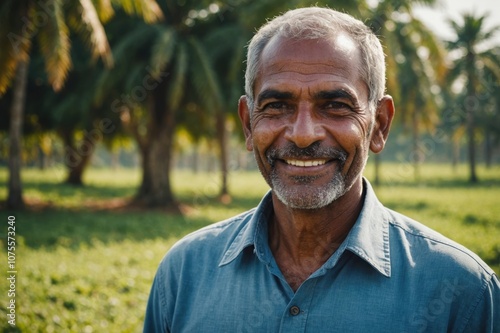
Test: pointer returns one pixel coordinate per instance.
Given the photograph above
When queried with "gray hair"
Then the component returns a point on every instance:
(320, 23)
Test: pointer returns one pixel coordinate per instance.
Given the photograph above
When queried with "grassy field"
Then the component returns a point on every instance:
(86, 265)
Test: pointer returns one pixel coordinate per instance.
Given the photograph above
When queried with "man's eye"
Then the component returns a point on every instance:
(277, 106)
(336, 105)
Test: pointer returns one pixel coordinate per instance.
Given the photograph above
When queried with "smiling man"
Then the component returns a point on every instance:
(320, 253)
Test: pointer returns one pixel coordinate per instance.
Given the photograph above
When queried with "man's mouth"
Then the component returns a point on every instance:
(305, 164)
(309, 157)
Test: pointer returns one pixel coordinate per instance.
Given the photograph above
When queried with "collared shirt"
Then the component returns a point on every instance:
(391, 274)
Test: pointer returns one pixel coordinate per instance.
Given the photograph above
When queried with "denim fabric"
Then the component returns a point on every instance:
(391, 274)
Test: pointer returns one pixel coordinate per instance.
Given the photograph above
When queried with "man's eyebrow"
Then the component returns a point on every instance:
(335, 94)
(273, 94)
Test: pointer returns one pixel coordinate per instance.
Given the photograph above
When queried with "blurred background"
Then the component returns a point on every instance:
(119, 135)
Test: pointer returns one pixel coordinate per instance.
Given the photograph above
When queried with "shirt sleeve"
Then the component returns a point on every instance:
(155, 321)
(485, 317)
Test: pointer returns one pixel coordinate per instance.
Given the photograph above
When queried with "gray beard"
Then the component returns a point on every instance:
(304, 194)
(307, 196)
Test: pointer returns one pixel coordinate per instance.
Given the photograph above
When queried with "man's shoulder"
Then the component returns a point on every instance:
(210, 241)
(434, 250)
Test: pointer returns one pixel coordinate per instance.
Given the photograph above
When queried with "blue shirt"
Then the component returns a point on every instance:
(391, 274)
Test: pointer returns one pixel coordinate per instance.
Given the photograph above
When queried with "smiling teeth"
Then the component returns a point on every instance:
(306, 163)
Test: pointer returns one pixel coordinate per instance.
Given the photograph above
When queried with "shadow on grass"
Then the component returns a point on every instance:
(106, 217)
(69, 228)
(51, 190)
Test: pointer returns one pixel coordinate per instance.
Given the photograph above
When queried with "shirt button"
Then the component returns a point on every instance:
(294, 310)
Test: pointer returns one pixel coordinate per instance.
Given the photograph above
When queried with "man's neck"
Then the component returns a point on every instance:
(303, 240)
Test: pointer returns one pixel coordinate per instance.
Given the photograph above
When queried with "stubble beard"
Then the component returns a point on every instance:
(303, 193)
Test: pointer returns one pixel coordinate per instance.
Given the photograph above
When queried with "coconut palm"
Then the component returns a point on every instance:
(415, 68)
(25, 24)
(475, 60)
(159, 67)
(490, 119)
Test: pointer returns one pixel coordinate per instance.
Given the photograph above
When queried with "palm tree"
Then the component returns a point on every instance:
(28, 23)
(471, 34)
(420, 70)
(490, 119)
(158, 68)
(416, 64)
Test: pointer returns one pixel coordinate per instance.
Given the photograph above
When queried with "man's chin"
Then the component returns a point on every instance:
(306, 196)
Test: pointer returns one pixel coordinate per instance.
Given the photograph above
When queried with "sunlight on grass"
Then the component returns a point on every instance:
(83, 269)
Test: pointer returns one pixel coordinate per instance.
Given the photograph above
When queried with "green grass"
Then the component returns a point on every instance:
(84, 269)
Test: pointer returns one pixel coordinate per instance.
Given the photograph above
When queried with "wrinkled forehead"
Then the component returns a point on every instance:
(339, 50)
(312, 59)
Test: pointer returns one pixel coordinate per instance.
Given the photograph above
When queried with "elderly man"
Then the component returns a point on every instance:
(319, 253)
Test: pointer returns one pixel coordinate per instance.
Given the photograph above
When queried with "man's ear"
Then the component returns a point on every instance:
(244, 114)
(383, 119)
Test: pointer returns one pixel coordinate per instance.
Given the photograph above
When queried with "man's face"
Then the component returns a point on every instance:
(311, 127)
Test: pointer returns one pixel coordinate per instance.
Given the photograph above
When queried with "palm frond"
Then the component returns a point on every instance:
(147, 9)
(456, 71)
(127, 47)
(235, 73)
(492, 32)
(104, 9)
(218, 40)
(15, 45)
(436, 49)
(162, 50)
(179, 79)
(134, 76)
(492, 63)
(97, 39)
(131, 42)
(204, 77)
(55, 47)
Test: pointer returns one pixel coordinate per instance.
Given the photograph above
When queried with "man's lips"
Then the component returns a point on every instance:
(313, 157)
(305, 163)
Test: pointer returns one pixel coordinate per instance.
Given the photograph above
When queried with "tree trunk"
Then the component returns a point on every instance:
(77, 157)
(488, 148)
(75, 172)
(157, 151)
(471, 145)
(416, 160)
(221, 139)
(470, 116)
(15, 196)
(455, 153)
(195, 158)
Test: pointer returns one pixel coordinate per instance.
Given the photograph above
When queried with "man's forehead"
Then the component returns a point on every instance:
(286, 60)
(340, 45)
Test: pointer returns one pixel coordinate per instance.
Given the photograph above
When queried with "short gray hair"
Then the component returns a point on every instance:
(320, 23)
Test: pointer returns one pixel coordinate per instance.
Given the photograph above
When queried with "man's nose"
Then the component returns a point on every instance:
(305, 129)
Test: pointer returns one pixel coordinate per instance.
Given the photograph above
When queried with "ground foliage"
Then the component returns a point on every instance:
(86, 260)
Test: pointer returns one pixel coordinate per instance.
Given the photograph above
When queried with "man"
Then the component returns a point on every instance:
(320, 253)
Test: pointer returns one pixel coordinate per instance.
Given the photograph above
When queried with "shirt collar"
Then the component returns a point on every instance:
(254, 233)
(368, 238)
